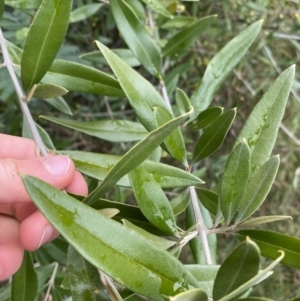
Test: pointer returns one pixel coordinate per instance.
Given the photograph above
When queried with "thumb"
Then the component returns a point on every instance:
(56, 170)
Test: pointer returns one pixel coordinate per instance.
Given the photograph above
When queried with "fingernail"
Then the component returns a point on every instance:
(57, 165)
(48, 231)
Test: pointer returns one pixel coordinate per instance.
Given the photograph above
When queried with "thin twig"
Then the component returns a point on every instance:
(51, 281)
(278, 69)
(165, 94)
(290, 134)
(22, 98)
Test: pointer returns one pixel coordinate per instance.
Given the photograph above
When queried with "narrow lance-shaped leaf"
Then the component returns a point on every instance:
(143, 97)
(234, 180)
(84, 279)
(24, 281)
(214, 135)
(43, 40)
(180, 202)
(261, 128)
(78, 77)
(84, 11)
(191, 295)
(135, 156)
(178, 22)
(158, 241)
(270, 242)
(186, 37)
(158, 7)
(241, 265)
(205, 118)
(263, 274)
(174, 142)
(110, 130)
(257, 189)
(99, 165)
(60, 104)
(221, 65)
(256, 221)
(24, 4)
(152, 200)
(49, 91)
(205, 275)
(125, 54)
(136, 36)
(209, 199)
(182, 101)
(146, 269)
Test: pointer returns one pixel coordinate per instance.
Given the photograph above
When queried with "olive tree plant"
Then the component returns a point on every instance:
(114, 250)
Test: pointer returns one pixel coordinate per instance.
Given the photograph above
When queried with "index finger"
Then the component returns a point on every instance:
(16, 148)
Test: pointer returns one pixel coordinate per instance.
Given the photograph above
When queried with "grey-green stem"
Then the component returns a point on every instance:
(201, 227)
(22, 98)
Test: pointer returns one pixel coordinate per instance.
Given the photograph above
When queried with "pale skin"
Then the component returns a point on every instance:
(22, 226)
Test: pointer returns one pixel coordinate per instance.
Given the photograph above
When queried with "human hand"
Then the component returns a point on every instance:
(22, 226)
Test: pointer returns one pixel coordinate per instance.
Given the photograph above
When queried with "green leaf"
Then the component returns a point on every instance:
(136, 36)
(174, 142)
(99, 165)
(77, 77)
(209, 199)
(84, 11)
(43, 40)
(5, 293)
(261, 128)
(125, 54)
(84, 279)
(49, 91)
(205, 118)
(240, 266)
(255, 299)
(214, 135)
(270, 242)
(146, 269)
(191, 295)
(221, 66)
(263, 274)
(256, 221)
(178, 22)
(158, 7)
(110, 130)
(158, 241)
(57, 250)
(24, 4)
(130, 213)
(171, 79)
(234, 180)
(152, 200)
(205, 275)
(180, 202)
(185, 38)
(1, 8)
(60, 104)
(257, 189)
(182, 101)
(143, 97)
(24, 281)
(135, 156)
